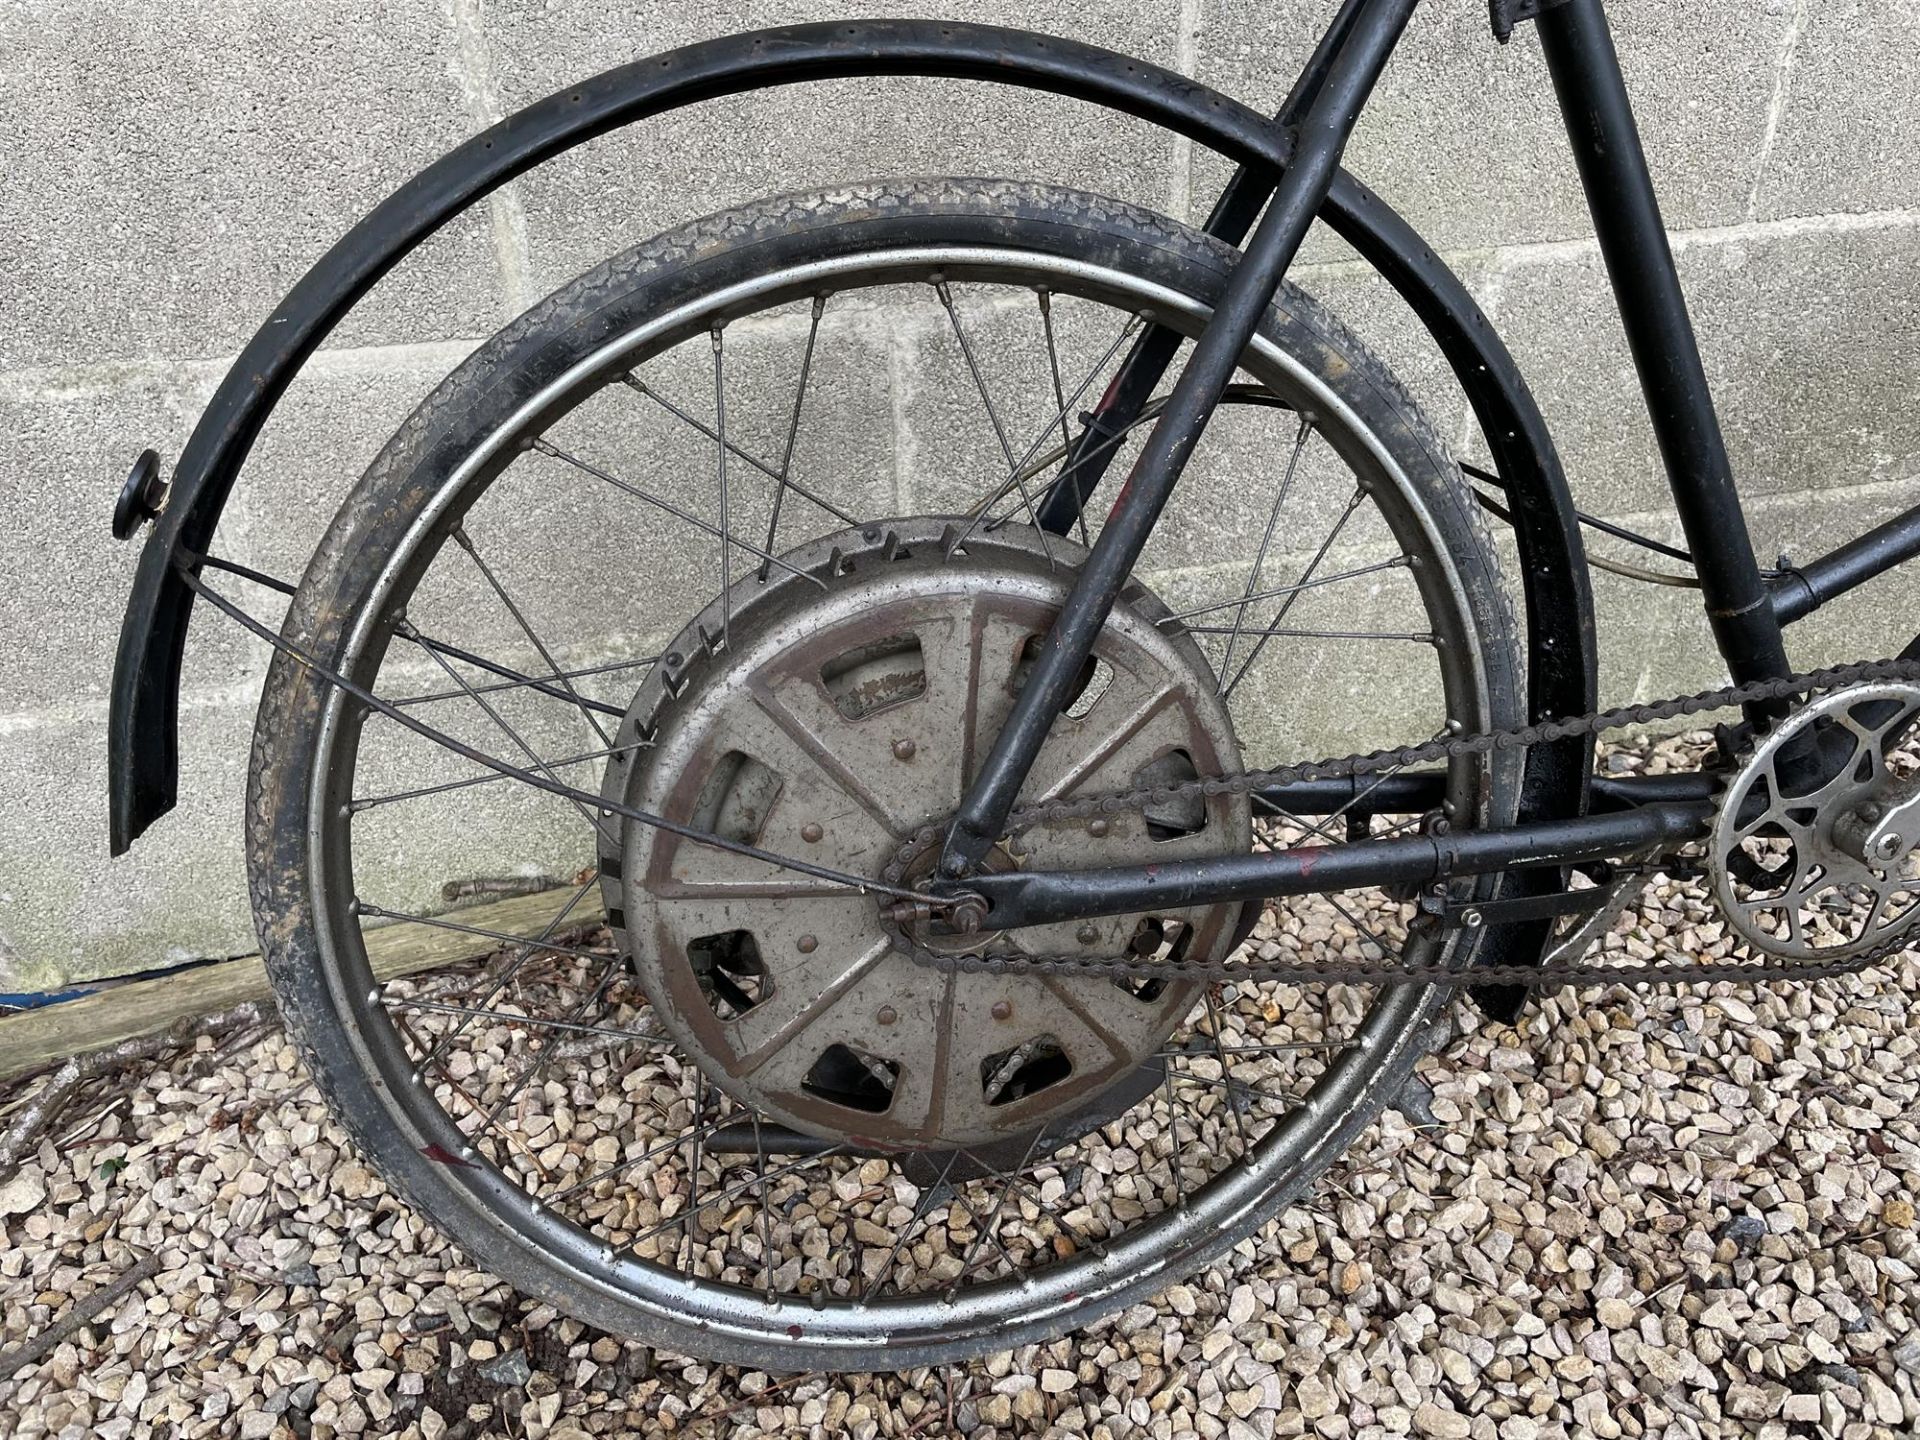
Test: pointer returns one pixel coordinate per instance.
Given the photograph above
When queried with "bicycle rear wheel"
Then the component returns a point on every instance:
(735, 1124)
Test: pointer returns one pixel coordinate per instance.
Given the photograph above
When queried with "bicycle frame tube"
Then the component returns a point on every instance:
(1746, 617)
(1323, 133)
(1234, 212)
(1626, 217)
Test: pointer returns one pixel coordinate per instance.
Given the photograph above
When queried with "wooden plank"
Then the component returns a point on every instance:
(35, 1039)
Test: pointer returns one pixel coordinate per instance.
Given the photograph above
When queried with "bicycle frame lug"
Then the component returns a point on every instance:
(1508, 15)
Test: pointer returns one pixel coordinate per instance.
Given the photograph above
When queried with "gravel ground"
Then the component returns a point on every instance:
(1684, 1213)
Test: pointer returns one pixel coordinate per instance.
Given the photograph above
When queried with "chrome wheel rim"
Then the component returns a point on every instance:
(1293, 1147)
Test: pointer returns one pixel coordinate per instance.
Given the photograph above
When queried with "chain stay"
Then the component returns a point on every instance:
(1383, 761)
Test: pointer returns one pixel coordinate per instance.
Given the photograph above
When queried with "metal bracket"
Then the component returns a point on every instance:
(1474, 914)
(1509, 13)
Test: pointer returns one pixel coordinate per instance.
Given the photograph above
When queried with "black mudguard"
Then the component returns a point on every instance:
(143, 722)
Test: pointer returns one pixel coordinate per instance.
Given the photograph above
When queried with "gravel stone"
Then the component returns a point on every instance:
(1689, 1208)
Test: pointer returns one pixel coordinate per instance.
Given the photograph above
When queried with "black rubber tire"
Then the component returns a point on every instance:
(541, 345)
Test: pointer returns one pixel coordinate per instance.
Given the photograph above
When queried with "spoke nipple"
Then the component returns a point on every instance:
(904, 749)
(886, 1015)
(806, 944)
(811, 832)
(1003, 1010)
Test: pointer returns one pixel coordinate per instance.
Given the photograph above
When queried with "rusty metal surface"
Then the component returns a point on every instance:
(935, 650)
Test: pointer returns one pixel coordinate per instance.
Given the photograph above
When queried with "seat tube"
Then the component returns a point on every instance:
(1633, 240)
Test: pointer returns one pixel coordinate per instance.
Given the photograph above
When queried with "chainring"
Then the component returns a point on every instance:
(1784, 872)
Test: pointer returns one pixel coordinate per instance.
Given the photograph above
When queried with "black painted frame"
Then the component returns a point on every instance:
(1289, 168)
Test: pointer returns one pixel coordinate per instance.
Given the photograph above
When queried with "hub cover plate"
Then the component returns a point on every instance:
(827, 715)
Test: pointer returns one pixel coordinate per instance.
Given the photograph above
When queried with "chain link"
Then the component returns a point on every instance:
(1385, 761)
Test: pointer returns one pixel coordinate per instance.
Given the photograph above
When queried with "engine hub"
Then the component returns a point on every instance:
(828, 715)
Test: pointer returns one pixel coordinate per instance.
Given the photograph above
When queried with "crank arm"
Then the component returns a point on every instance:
(1041, 897)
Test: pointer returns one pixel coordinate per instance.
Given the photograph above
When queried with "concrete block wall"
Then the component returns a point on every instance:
(167, 172)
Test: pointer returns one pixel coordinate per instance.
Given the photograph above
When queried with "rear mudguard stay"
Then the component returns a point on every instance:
(143, 733)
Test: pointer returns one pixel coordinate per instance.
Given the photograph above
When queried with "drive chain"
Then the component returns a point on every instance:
(1387, 762)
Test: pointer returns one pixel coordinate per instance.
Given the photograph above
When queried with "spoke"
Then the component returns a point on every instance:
(1275, 632)
(1321, 830)
(465, 542)
(570, 1027)
(547, 783)
(557, 678)
(1323, 827)
(1399, 562)
(1027, 467)
(554, 452)
(693, 1175)
(641, 387)
(918, 1218)
(989, 1222)
(528, 949)
(442, 651)
(507, 1138)
(1359, 496)
(437, 922)
(404, 627)
(545, 1057)
(1266, 540)
(1173, 1125)
(1059, 395)
(373, 801)
(1232, 1085)
(658, 1148)
(766, 1221)
(993, 416)
(793, 429)
(738, 1188)
(1150, 412)
(1189, 1050)
(1031, 1191)
(720, 451)
(1233, 1108)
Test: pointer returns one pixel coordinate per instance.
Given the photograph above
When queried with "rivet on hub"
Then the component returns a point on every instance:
(886, 1015)
(1087, 933)
(811, 832)
(903, 749)
(1097, 828)
(1003, 1009)
(806, 944)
